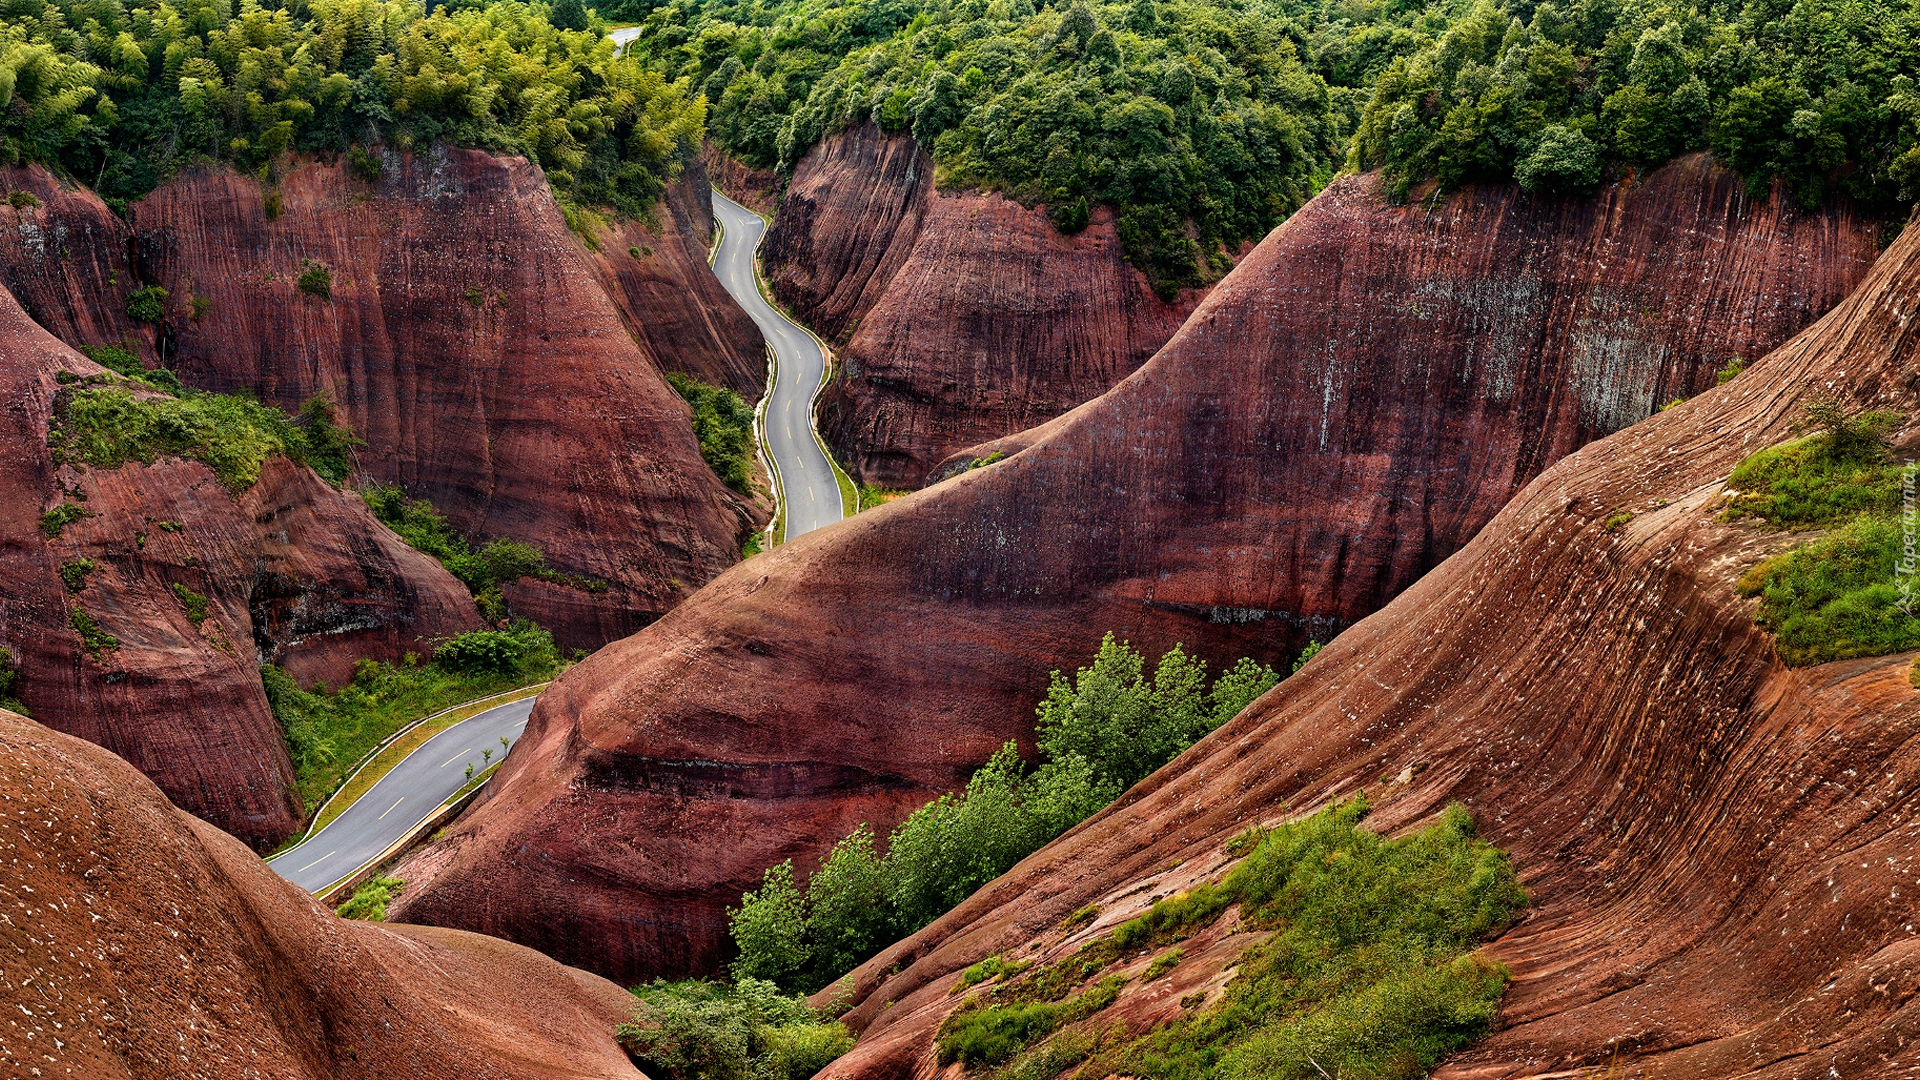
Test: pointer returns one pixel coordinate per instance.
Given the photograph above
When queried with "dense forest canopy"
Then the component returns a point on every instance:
(1816, 93)
(1216, 114)
(120, 94)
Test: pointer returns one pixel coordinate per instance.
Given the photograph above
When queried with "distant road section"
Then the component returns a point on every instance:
(403, 798)
(809, 489)
(623, 37)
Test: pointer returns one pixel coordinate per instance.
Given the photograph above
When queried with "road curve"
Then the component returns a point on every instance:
(810, 491)
(403, 798)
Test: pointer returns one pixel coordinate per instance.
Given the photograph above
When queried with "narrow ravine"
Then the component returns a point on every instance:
(810, 492)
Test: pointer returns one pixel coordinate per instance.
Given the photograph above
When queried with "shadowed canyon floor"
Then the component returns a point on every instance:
(1338, 416)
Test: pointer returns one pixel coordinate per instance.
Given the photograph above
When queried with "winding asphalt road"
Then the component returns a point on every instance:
(402, 799)
(810, 491)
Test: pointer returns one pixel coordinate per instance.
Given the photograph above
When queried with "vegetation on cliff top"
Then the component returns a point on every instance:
(120, 95)
(1207, 114)
(1367, 971)
(1817, 93)
(1100, 733)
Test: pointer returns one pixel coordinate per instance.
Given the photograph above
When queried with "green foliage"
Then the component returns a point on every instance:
(22, 200)
(93, 638)
(194, 603)
(55, 521)
(9, 674)
(1203, 123)
(485, 651)
(326, 444)
(148, 304)
(1818, 480)
(698, 1030)
(1838, 596)
(327, 731)
(316, 279)
(1366, 973)
(121, 361)
(1162, 964)
(1727, 374)
(981, 1038)
(1617, 520)
(723, 422)
(872, 495)
(1818, 93)
(369, 902)
(232, 434)
(483, 570)
(124, 94)
(1312, 650)
(983, 462)
(73, 573)
(1099, 733)
(568, 15)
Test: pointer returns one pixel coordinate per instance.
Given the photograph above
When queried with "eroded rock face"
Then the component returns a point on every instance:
(66, 261)
(293, 571)
(145, 944)
(1719, 849)
(1343, 412)
(958, 317)
(471, 341)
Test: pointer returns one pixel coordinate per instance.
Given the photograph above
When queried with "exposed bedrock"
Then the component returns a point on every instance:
(145, 945)
(1341, 413)
(1720, 849)
(958, 317)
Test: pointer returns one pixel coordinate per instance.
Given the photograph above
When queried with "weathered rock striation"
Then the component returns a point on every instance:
(469, 340)
(1720, 849)
(1344, 411)
(64, 257)
(958, 317)
(293, 570)
(143, 944)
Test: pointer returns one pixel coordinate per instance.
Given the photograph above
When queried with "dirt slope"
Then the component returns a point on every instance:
(1720, 849)
(143, 944)
(1343, 412)
(295, 572)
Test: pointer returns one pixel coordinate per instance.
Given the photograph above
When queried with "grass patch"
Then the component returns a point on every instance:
(194, 603)
(73, 574)
(699, 1030)
(93, 638)
(328, 731)
(56, 520)
(121, 361)
(1832, 476)
(9, 673)
(369, 902)
(1367, 972)
(872, 496)
(232, 434)
(723, 422)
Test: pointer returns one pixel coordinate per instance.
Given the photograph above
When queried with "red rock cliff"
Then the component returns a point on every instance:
(145, 945)
(1344, 411)
(295, 571)
(957, 317)
(66, 261)
(1719, 849)
(471, 342)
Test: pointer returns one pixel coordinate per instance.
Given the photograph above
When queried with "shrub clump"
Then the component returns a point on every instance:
(1367, 972)
(73, 573)
(56, 520)
(723, 422)
(194, 603)
(93, 638)
(482, 570)
(369, 902)
(1099, 733)
(316, 279)
(9, 674)
(699, 1030)
(147, 304)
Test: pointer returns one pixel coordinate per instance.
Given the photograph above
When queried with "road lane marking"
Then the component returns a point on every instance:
(456, 757)
(314, 863)
(395, 806)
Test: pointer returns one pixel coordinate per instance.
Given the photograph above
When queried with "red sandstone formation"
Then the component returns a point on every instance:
(671, 302)
(756, 189)
(65, 261)
(1344, 411)
(470, 341)
(295, 572)
(1720, 850)
(957, 317)
(145, 945)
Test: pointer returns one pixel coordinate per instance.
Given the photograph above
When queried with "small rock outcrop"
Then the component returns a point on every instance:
(1341, 414)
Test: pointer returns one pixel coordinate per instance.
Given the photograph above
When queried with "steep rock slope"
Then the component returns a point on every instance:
(659, 281)
(293, 570)
(959, 317)
(65, 260)
(142, 943)
(470, 341)
(1345, 410)
(1720, 849)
